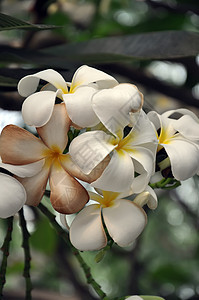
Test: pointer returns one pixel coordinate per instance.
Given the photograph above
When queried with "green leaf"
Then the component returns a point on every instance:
(8, 22)
(7, 84)
(153, 45)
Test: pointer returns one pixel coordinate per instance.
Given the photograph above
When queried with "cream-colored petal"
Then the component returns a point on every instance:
(118, 175)
(180, 111)
(35, 186)
(70, 167)
(38, 107)
(19, 147)
(55, 133)
(79, 107)
(13, 196)
(86, 231)
(124, 221)
(28, 84)
(188, 127)
(85, 75)
(24, 170)
(145, 157)
(140, 183)
(143, 132)
(67, 194)
(90, 148)
(152, 199)
(114, 106)
(184, 158)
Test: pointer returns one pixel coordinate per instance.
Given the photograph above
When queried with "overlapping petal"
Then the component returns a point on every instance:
(13, 196)
(38, 107)
(188, 127)
(124, 221)
(118, 175)
(85, 75)
(35, 186)
(86, 231)
(114, 106)
(28, 84)
(55, 132)
(142, 132)
(79, 107)
(70, 167)
(184, 157)
(90, 148)
(19, 147)
(24, 170)
(145, 157)
(67, 194)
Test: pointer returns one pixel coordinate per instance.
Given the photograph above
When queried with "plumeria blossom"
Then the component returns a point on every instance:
(124, 220)
(20, 147)
(38, 106)
(130, 154)
(110, 98)
(13, 194)
(179, 139)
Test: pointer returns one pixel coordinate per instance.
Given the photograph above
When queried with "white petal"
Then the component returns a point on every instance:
(147, 197)
(184, 157)
(13, 196)
(90, 148)
(55, 132)
(166, 125)
(118, 175)
(28, 84)
(188, 127)
(79, 107)
(145, 157)
(24, 170)
(181, 111)
(152, 200)
(114, 106)
(37, 108)
(86, 231)
(85, 75)
(124, 221)
(140, 182)
(143, 132)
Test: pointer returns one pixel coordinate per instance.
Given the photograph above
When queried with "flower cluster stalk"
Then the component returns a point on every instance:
(63, 234)
(27, 256)
(5, 249)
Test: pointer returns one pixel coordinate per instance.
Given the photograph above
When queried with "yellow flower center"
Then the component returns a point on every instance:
(53, 156)
(108, 198)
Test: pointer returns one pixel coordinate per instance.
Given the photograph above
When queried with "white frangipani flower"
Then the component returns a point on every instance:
(124, 220)
(179, 139)
(133, 153)
(38, 106)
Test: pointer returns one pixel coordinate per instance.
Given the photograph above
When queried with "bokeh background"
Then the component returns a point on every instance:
(164, 260)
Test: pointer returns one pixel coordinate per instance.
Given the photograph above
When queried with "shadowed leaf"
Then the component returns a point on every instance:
(8, 22)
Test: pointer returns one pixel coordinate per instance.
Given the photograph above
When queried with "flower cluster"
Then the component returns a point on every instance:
(93, 130)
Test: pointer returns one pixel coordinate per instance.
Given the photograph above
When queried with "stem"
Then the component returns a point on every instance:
(5, 249)
(27, 257)
(162, 184)
(63, 234)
